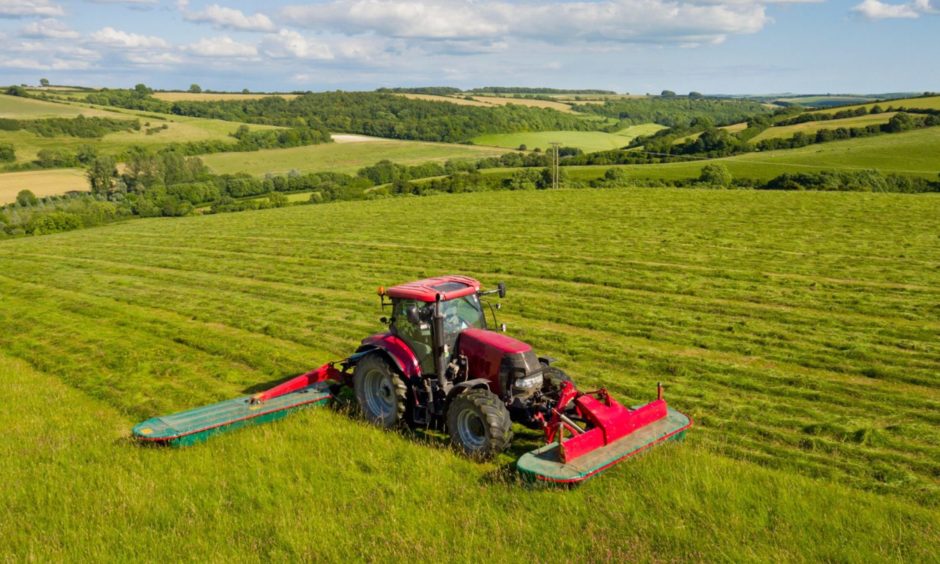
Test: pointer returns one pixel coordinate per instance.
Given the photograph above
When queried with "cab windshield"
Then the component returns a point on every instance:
(461, 313)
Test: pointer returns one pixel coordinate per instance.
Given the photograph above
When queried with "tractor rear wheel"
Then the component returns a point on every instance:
(479, 424)
(380, 391)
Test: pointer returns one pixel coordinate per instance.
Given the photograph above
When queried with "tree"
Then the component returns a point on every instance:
(695, 95)
(900, 122)
(44, 82)
(101, 174)
(668, 94)
(716, 174)
(246, 91)
(26, 198)
(195, 88)
(7, 154)
(142, 91)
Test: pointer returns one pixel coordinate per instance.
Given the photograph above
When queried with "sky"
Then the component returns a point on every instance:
(635, 46)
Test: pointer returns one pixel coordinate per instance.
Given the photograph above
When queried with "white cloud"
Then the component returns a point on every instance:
(288, 43)
(27, 8)
(49, 28)
(132, 3)
(229, 18)
(877, 10)
(116, 38)
(221, 47)
(619, 21)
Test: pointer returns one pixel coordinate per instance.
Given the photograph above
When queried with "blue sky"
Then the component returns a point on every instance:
(712, 46)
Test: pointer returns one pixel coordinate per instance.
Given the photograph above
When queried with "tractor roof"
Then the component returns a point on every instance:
(426, 290)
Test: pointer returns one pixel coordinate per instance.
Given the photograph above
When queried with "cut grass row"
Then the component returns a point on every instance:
(799, 330)
(85, 493)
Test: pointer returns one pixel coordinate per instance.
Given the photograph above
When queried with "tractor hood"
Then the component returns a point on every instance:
(495, 341)
(509, 364)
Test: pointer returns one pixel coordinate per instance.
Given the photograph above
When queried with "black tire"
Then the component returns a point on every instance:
(479, 424)
(553, 378)
(380, 392)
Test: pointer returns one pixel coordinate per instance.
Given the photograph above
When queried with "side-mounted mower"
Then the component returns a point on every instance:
(439, 366)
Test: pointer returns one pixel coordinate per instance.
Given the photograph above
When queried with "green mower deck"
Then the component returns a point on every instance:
(196, 425)
(544, 464)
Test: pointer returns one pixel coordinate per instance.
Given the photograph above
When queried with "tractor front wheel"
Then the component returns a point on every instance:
(479, 424)
(380, 391)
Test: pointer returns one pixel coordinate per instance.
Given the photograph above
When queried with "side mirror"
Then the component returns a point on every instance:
(383, 320)
(502, 289)
(413, 316)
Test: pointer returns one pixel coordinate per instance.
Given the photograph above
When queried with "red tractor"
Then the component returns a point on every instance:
(439, 366)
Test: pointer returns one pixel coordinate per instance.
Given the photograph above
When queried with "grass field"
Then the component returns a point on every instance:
(343, 157)
(798, 329)
(180, 129)
(588, 141)
(928, 103)
(823, 101)
(16, 107)
(787, 131)
(41, 183)
(911, 153)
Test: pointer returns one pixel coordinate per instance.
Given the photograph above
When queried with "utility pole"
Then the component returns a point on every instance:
(556, 182)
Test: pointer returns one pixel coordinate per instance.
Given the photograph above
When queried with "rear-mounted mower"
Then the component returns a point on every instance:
(438, 366)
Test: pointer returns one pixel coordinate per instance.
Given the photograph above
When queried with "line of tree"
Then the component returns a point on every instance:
(81, 126)
(676, 112)
(536, 90)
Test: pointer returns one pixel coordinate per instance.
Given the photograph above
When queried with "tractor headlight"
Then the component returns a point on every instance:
(529, 383)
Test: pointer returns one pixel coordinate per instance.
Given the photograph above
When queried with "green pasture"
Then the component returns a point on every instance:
(811, 127)
(799, 330)
(179, 129)
(587, 141)
(343, 157)
(912, 153)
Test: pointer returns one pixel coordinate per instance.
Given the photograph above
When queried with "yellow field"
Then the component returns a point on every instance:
(213, 96)
(489, 101)
(41, 182)
(449, 99)
(928, 103)
(787, 131)
(502, 101)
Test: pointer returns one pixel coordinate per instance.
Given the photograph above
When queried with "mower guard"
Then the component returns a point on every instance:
(196, 425)
(546, 463)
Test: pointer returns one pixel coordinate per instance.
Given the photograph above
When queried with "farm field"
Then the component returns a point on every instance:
(787, 131)
(179, 129)
(488, 101)
(823, 101)
(41, 183)
(588, 141)
(910, 153)
(927, 103)
(784, 323)
(16, 107)
(342, 157)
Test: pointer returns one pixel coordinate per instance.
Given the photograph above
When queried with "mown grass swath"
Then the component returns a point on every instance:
(799, 330)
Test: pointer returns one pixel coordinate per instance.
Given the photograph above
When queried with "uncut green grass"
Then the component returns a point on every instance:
(912, 153)
(811, 127)
(799, 330)
(588, 141)
(343, 157)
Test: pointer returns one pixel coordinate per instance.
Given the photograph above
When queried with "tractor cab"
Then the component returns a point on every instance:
(413, 309)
